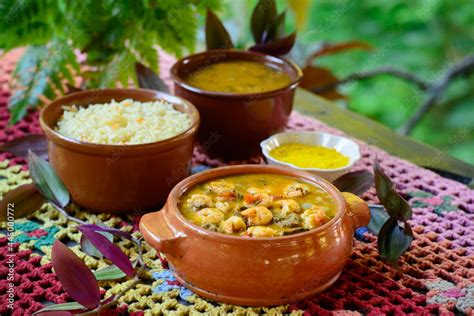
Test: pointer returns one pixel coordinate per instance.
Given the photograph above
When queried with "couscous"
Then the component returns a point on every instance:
(123, 123)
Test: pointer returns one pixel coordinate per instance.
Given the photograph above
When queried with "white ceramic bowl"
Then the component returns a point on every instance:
(343, 145)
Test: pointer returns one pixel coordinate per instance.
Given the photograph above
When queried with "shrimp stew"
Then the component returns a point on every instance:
(238, 76)
(257, 205)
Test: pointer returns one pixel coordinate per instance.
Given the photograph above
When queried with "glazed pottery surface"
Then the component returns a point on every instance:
(255, 271)
(119, 178)
(233, 124)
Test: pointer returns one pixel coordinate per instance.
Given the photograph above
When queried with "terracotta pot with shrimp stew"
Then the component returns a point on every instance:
(256, 235)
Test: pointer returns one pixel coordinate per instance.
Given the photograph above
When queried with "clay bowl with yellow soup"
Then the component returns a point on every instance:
(256, 235)
(325, 155)
(243, 97)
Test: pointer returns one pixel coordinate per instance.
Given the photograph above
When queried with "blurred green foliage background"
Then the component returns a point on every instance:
(425, 37)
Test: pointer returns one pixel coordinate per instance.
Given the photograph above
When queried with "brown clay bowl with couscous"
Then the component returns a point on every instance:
(253, 271)
(234, 123)
(125, 177)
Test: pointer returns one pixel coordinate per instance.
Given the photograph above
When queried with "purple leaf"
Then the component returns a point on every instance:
(23, 201)
(108, 299)
(72, 89)
(109, 250)
(277, 29)
(278, 47)
(76, 278)
(356, 182)
(263, 19)
(90, 249)
(148, 79)
(217, 36)
(378, 217)
(394, 203)
(393, 240)
(113, 231)
(20, 146)
(54, 313)
(383, 184)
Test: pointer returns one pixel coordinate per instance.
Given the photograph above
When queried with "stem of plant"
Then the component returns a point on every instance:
(116, 298)
(138, 242)
(66, 215)
(71, 218)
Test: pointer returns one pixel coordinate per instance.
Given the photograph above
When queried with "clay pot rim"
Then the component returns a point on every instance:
(236, 54)
(172, 201)
(87, 147)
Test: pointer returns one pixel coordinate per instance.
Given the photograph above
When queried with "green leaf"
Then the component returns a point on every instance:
(111, 272)
(217, 36)
(120, 69)
(24, 23)
(20, 202)
(263, 18)
(393, 240)
(378, 217)
(39, 69)
(70, 306)
(47, 181)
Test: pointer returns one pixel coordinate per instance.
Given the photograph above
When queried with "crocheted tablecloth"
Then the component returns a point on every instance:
(436, 276)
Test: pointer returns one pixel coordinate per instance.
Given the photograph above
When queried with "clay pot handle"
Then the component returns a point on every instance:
(357, 209)
(158, 234)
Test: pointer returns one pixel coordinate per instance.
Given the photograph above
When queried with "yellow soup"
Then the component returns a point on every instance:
(257, 205)
(309, 156)
(238, 76)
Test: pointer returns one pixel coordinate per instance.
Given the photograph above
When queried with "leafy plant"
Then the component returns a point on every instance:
(396, 235)
(356, 182)
(389, 221)
(96, 240)
(268, 29)
(109, 37)
(21, 145)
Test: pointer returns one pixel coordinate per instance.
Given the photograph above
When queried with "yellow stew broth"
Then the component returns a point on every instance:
(238, 76)
(257, 205)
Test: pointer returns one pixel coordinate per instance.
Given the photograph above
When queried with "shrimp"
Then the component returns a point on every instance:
(261, 199)
(314, 217)
(223, 206)
(258, 215)
(220, 187)
(233, 224)
(287, 207)
(253, 190)
(210, 215)
(261, 231)
(295, 190)
(200, 201)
